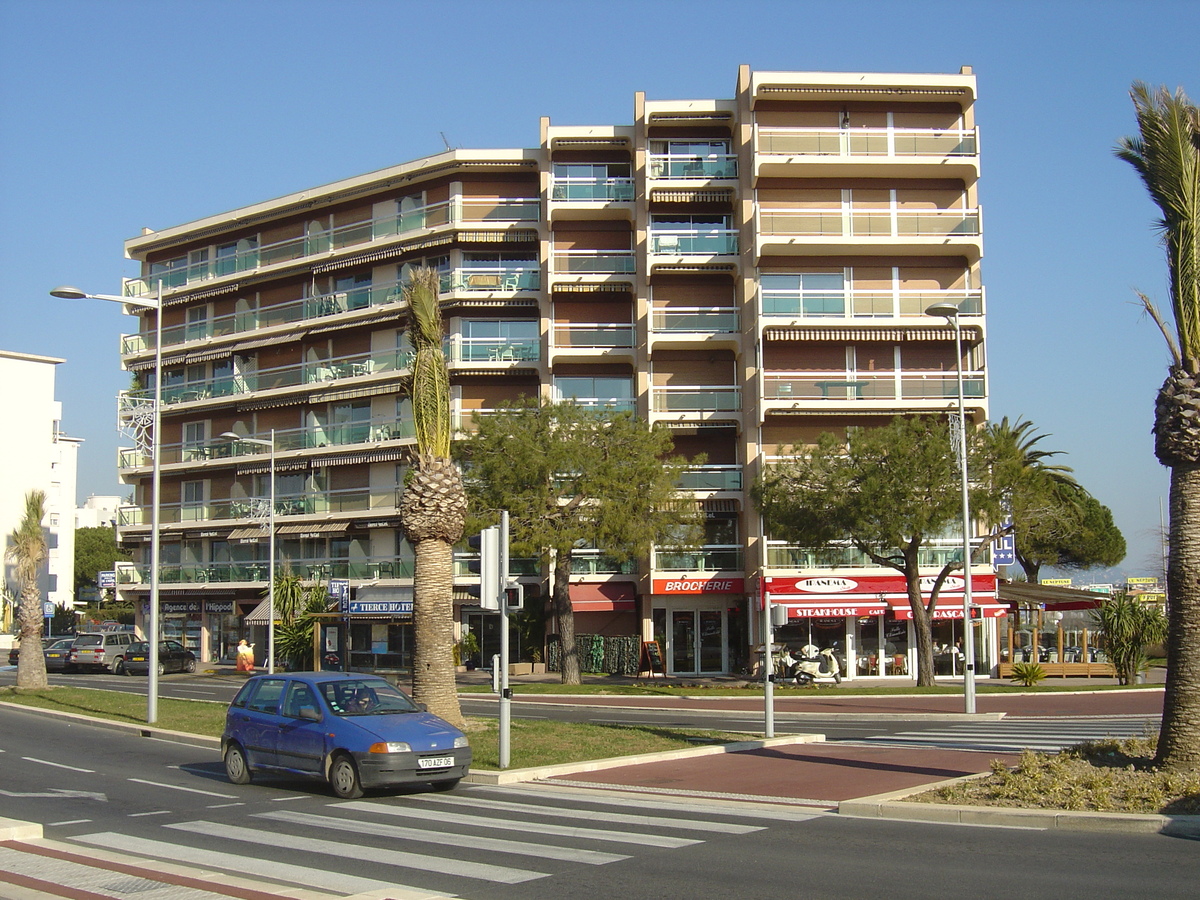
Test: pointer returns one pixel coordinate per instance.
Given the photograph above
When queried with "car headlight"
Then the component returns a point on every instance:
(390, 747)
(461, 741)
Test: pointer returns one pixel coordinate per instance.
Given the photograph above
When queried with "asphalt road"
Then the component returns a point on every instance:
(114, 794)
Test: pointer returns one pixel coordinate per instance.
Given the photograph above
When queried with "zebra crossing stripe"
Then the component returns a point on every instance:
(401, 858)
(478, 842)
(522, 825)
(663, 803)
(265, 868)
(595, 816)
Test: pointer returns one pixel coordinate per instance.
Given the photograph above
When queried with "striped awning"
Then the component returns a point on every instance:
(287, 338)
(312, 528)
(718, 195)
(867, 334)
(607, 287)
(353, 459)
(207, 355)
(261, 614)
(372, 390)
(246, 534)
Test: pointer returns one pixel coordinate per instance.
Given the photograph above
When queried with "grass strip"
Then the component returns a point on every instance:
(534, 742)
(754, 689)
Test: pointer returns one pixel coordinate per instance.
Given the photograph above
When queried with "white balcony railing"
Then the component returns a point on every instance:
(828, 387)
(860, 304)
(866, 223)
(874, 142)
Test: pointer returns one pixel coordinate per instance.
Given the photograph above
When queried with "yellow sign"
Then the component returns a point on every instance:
(1149, 597)
(1141, 581)
(1057, 582)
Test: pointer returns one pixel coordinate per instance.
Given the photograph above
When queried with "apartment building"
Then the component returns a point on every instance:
(37, 455)
(750, 271)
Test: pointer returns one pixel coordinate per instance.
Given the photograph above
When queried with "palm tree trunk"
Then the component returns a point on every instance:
(564, 615)
(433, 626)
(31, 664)
(1178, 747)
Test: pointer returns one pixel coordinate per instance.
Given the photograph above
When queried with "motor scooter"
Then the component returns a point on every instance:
(816, 665)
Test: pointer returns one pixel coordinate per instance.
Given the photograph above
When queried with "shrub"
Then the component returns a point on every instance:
(1027, 673)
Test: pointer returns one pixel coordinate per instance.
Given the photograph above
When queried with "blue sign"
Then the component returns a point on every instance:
(339, 590)
(381, 607)
(106, 580)
(1004, 550)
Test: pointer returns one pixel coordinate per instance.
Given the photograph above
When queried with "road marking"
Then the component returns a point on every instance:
(46, 762)
(419, 861)
(266, 868)
(58, 793)
(176, 787)
(595, 815)
(69, 822)
(224, 805)
(157, 812)
(667, 804)
(522, 825)
(447, 839)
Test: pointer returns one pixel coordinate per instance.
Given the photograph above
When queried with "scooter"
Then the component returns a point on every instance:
(816, 665)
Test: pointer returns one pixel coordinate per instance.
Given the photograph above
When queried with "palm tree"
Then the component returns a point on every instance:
(434, 505)
(27, 549)
(1166, 154)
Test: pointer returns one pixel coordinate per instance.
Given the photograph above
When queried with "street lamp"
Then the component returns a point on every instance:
(271, 526)
(73, 293)
(950, 312)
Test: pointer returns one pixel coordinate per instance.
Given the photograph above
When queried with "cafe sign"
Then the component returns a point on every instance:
(698, 585)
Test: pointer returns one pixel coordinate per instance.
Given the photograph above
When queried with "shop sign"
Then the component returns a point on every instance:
(106, 580)
(381, 607)
(839, 612)
(216, 607)
(180, 607)
(1140, 581)
(698, 585)
(1056, 582)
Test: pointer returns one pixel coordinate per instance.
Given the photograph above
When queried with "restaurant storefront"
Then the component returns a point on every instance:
(867, 622)
(694, 620)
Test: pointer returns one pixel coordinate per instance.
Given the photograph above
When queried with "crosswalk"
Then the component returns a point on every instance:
(403, 848)
(1013, 734)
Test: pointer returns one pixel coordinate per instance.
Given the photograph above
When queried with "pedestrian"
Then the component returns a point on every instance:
(245, 656)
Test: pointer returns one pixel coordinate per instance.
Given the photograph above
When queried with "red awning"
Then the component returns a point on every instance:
(607, 596)
(833, 610)
(953, 609)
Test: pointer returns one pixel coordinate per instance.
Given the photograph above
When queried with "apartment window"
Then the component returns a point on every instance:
(195, 436)
(171, 272)
(804, 294)
(352, 292)
(197, 322)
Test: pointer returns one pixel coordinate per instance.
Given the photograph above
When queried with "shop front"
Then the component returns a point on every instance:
(379, 630)
(867, 622)
(692, 620)
(207, 626)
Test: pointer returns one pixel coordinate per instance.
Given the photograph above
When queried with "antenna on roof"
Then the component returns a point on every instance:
(444, 141)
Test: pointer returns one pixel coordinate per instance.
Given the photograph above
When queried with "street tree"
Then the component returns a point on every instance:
(96, 551)
(572, 477)
(28, 549)
(1056, 522)
(433, 506)
(888, 491)
(1166, 155)
(1128, 625)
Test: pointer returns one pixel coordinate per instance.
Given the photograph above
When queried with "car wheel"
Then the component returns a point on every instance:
(161, 668)
(236, 767)
(448, 785)
(119, 666)
(190, 666)
(343, 778)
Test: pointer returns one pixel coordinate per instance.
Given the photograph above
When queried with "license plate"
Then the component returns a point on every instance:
(53, 655)
(137, 659)
(435, 762)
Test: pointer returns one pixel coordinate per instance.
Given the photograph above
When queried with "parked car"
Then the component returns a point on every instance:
(172, 657)
(14, 652)
(98, 650)
(56, 654)
(352, 730)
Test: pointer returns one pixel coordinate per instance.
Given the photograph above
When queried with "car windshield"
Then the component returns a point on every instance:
(138, 648)
(89, 640)
(365, 698)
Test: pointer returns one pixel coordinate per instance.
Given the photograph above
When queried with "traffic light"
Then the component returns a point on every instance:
(514, 595)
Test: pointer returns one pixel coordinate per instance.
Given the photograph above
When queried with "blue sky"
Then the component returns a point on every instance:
(119, 114)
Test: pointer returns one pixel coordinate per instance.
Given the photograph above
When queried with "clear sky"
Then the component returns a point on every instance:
(119, 114)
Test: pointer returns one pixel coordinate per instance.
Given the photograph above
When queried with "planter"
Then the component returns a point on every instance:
(520, 668)
(537, 669)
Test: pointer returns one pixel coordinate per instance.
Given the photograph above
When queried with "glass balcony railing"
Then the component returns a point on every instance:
(855, 304)
(718, 241)
(462, 211)
(257, 572)
(696, 399)
(491, 278)
(308, 503)
(466, 565)
(831, 386)
(336, 369)
(788, 556)
(693, 167)
(593, 562)
(593, 262)
(710, 558)
(311, 438)
(591, 190)
(593, 337)
(889, 223)
(711, 478)
(879, 142)
(696, 320)
(461, 349)
(620, 404)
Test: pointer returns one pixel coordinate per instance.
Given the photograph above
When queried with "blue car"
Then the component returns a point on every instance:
(355, 731)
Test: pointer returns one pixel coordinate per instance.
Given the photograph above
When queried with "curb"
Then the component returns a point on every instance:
(537, 773)
(894, 806)
(146, 731)
(16, 830)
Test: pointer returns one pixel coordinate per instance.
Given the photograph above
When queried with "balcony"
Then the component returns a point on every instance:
(466, 211)
(304, 310)
(784, 390)
(307, 504)
(670, 167)
(695, 326)
(466, 565)
(701, 399)
(709, 558)
(307, 373)
(694, 242)
(921, 232)
(593, 262)
(823, 306)
(370, 568)
(595, 562)
(475, 350)
(781, 555)
(834, 152)
(597, 336)
(711, 478)
(314, 437)
(490, 279)
(591, 190)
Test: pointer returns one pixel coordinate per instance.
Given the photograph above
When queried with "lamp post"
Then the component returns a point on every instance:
(73, 293)
(950, 312)
(271, 527)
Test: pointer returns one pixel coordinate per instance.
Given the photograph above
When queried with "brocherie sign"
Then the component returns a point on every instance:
(699, 585)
